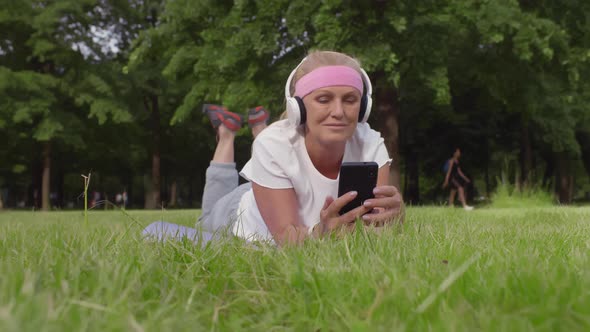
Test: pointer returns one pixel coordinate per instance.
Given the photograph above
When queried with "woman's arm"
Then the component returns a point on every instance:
(463, 175)
(279, 210)
(383, 175)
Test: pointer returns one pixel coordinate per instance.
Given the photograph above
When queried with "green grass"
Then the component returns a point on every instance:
(444, 270)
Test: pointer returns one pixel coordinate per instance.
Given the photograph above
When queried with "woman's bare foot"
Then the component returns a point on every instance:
(257, 129)
(224, 133)
(258, 119)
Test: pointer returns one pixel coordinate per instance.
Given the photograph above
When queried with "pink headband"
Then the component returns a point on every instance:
(328, 76)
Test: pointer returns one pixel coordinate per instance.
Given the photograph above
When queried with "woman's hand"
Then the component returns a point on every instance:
(386, 206)
(331, 220)
(445, 184)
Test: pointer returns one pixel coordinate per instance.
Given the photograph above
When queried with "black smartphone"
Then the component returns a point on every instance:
(360, 177)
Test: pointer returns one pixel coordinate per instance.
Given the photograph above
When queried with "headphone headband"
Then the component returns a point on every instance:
(290, 79)
(296, 109)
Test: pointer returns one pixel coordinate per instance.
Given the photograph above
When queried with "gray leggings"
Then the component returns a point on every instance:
(221, 197)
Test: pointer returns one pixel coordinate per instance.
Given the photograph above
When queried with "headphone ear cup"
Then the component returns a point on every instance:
(367, 110)
(296, 112)
(363, 108)
(293, 112)
(302, 110)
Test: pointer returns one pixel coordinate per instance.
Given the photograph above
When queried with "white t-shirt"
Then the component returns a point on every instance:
(280, 160)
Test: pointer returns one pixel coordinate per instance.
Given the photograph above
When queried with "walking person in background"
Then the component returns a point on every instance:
(455, 177)
(125, 198)
(119, 200)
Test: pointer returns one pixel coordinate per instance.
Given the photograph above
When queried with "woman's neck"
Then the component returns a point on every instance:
(326, 159)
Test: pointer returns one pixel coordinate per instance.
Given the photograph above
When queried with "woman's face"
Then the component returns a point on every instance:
(332, 113)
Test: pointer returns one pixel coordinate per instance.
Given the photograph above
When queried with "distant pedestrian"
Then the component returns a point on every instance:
(119, 199)
(95, 199)
(455, 177)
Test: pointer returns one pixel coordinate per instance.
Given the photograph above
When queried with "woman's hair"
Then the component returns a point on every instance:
(317, 59)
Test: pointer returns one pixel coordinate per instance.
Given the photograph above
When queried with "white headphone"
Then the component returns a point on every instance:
(297, 114)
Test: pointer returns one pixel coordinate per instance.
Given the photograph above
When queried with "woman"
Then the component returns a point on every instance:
(457, 179)
(293, 171)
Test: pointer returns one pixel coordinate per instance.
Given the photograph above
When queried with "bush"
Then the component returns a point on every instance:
(508, 195)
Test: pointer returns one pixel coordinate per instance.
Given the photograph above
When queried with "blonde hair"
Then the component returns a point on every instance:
(317, 59)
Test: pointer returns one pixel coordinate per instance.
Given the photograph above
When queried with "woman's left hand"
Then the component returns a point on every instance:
(387, 206)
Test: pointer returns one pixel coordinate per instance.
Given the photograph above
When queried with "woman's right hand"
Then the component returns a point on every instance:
(331, 220)
(445, 184)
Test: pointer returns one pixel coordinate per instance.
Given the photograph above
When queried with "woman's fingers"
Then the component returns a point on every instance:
(386, 205)
(351, 215)
(381, 216)
(341, 201)
(384, 202)
(330, 215)
(327, 202)
(385, 191)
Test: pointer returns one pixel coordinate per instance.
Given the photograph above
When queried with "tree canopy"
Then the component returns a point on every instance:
(116, 87)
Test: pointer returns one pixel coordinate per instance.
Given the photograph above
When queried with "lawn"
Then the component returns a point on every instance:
(444, 270)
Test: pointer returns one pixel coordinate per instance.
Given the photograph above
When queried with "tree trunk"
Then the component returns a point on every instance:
(60, 198)
(412, 186)
(34, 191)
(526, 154)
(564, 178)
(153, 199)
(147, 192)
(387, 107)
(583, 139)
(45, 180)
(386, 100)
(549, 170)
(487, 167)
(173, 189)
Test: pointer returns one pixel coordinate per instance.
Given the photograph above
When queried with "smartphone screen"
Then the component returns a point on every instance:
(360, 177)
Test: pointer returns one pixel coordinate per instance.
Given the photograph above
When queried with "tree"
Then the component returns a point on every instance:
(503, 80)
(124, 85)
(250, 46)
(38, 68)
(524, 59)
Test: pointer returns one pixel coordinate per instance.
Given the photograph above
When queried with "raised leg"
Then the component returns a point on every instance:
(224, 151)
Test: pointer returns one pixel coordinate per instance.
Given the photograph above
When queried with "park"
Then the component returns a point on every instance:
(110, 117)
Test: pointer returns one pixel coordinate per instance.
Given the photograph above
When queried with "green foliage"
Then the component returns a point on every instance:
(39, 72)
(466, 73)
(100, 95)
